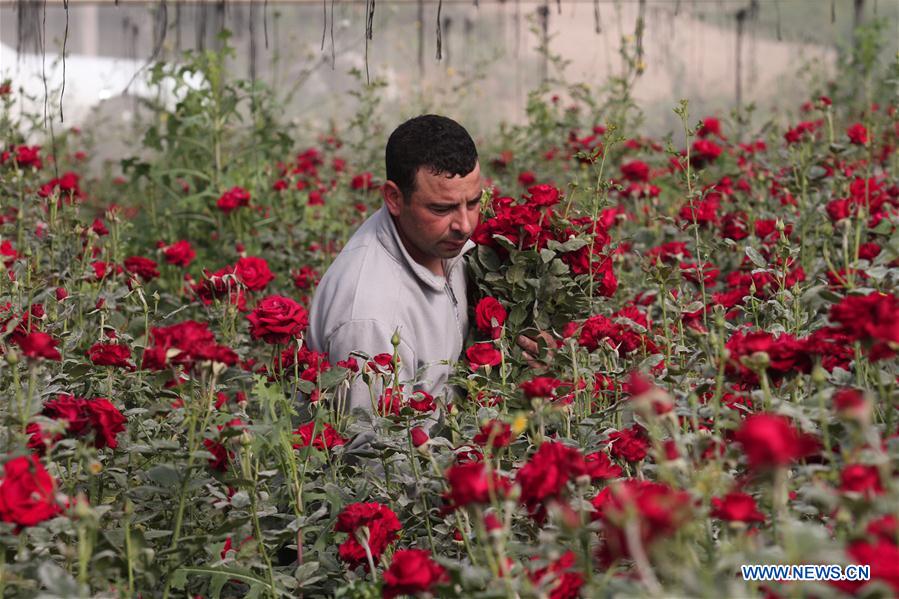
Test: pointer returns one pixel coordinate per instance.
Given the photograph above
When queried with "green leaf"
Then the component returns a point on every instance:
(57, 581)
(755, 257)
(515, 274)
(488, 258)
(164, 474)
(331, 378)
(179, 578)
(572, 245)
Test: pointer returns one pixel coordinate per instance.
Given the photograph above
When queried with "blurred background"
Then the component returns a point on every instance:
(718, 54)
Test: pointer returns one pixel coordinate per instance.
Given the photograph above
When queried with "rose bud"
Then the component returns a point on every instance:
(419, 436)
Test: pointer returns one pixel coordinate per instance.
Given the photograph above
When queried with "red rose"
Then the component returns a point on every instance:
(558, 579)
(391, 401)
(109, 354)
(326, 436)
(736, 507)
(106, 421)
(179, 253)
(704, 212)
(253, 272)
(795, 135)
(785, 353)
(540, 386)
(382, 363)
(765, 227)
(839, 209)
(362, 181)
(27, 492)
(277, 319)
(543, 195)
(145, 268)
(305, 278)
(710, 126)
(483, 354)
(655, 509)
(38, 345)
(629, 444)
(545, 475)
(857, 134)
(872, 319)
(422, 401)
(220, 454)
(869, 250)
(704, 151)
(411, 572)
(419, 436)
(771, 440)
(382, 525)
(71, 409)
(470, 483)
(495, 433)
(636, 170)
(851, 402)
(83, 416)
(527, 178)
(883, 558)
(490, 316)
(861, 479)
(184, 343)
(28, 156)
(61, 294)
(600, 467)
(232, 199)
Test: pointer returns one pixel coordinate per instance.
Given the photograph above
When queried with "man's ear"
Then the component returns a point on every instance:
(393, 197)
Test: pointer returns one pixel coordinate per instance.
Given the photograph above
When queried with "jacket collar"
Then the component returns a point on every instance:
(389, 238)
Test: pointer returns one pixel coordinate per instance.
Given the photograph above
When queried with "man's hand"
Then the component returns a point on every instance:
(531, 349)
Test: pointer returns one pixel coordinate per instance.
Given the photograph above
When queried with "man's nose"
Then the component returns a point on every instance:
(464, 222)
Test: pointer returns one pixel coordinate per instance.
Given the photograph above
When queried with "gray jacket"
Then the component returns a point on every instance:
(373, 288)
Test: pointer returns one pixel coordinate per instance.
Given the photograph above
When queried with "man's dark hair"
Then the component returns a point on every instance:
(429, 141)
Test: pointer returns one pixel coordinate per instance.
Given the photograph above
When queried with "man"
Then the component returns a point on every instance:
(403, 270)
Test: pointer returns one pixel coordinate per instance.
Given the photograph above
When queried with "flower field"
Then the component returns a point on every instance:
(720, 388)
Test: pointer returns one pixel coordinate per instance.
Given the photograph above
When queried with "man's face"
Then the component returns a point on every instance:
(440, 216)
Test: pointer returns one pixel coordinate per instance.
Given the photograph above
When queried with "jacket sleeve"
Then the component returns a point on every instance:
(369, 337)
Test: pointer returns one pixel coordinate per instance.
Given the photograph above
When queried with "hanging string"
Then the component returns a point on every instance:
(43, 36)
(48, 122)
(439, 33)
(178, 26)
(65, 40)
(325, 23)
(370, 10)
(252, 24)
(333, 53)
(597, 24)
(777, 8)
(677, 8)
(265, 22)
(833, 11)
(559, 6)
(160, 28)
(738, 71)
(638, 34)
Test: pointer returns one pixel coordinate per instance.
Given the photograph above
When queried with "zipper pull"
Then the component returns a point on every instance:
(452, 295)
